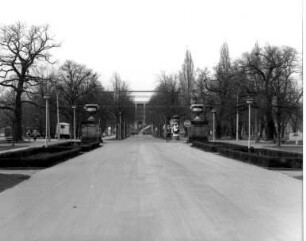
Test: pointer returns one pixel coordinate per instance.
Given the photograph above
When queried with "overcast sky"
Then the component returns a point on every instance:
(139, 38)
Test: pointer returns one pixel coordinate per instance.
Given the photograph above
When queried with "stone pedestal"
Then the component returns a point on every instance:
(198, 130)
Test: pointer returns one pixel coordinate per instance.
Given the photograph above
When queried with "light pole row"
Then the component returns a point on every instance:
(47, 131)
(249, 101)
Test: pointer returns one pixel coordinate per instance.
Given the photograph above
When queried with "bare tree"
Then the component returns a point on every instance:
(221, 87)
(123, 106)
(20, 50)
(75, 82)
(187, 78)
(202, 78)
(270, 71)
(165, 102)
(287, 96)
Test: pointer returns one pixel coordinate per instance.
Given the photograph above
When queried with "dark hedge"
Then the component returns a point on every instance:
(214, 146)
(89, 146)
(208, 146)
(38, 157)
(261, 157)
(263, 160)
(85, 146)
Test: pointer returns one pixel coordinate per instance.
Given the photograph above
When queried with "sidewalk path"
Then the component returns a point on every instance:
(27, 144)
(272, 146)
(267, 145)
(22, 146)
(146, 189)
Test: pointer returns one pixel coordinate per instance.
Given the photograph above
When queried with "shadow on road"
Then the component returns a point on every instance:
(10, 180)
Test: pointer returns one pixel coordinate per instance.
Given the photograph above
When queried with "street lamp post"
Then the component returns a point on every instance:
(47, 97)
(74, 127)
(58, 119)
(237, 127)
(249, 101)
(213, 111)
(119, 129)
(237, 117)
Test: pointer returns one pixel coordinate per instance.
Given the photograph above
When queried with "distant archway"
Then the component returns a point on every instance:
(141, 98)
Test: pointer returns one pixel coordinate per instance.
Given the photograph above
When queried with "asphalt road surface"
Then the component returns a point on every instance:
(149, 189)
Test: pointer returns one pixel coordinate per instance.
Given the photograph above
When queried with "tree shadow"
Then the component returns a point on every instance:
(11, 180)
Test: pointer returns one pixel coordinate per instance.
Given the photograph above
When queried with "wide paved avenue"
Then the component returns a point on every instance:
(143, 189)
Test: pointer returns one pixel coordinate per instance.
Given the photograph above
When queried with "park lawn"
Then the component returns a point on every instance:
(10, 147)
(10, 180)
(297, 149)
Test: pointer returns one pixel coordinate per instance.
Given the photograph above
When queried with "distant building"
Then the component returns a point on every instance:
(140, 98)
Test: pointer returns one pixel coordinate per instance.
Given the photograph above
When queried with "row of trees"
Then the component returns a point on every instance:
(269, 74)
(27, 74)
(173, 94)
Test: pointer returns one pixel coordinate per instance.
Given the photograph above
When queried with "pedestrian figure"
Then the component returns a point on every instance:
(168, 133)
(35, 134)
(29, 133)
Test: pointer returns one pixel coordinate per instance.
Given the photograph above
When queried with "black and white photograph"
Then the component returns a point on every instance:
(142, 120)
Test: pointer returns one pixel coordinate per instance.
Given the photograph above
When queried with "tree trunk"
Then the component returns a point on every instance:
(18, 118)
(279, 128)
(218, 130)
(269, 125)
(270, 130)
(218, 122)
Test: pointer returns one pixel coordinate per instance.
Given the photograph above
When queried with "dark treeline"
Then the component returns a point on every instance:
(27, 75)
(269, 74)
